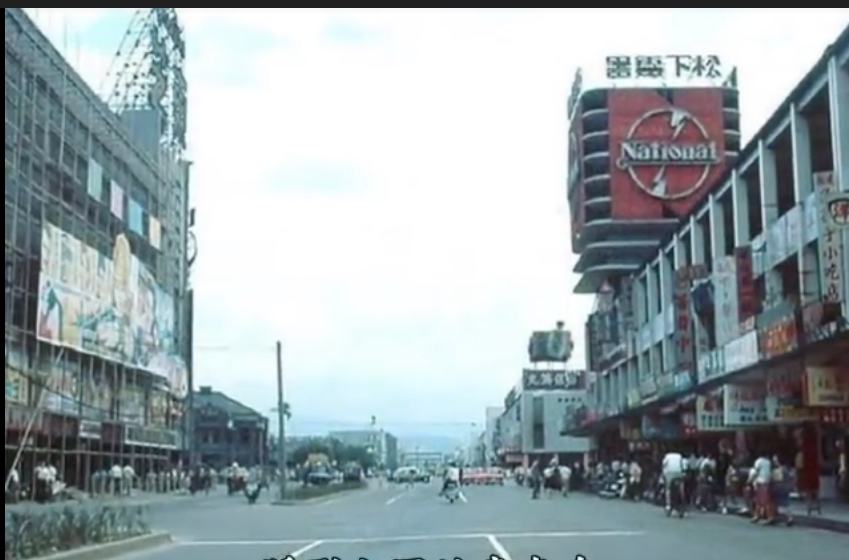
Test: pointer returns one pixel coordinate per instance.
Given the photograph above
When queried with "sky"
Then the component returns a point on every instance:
(383, 190)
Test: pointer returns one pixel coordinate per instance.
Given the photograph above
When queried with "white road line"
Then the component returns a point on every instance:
(421, 538)
(500, 551)
(394, 499)
(303, 550)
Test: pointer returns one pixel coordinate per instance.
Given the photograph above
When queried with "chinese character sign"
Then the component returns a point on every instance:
(707, 68)
(745, 405)
(747, 298)
(551, 380)
(726, 308)
(830, 243)
(684, 348)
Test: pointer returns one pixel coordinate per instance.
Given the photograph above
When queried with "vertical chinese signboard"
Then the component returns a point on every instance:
(726, 300)
(830, 242)
(684, 347)
(747, 298)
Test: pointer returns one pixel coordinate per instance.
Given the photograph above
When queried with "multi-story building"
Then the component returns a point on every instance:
(745, 302)
(226, 431)
(383, 444)
(426, 459)
(530, 427)
(96, 273)
(489, 441)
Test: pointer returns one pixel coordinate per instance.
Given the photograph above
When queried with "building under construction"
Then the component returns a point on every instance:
(98, 250)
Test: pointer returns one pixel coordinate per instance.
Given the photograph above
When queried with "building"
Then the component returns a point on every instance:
(382, 443)
(738, 319)
(426, 459)
(96, 274)
(489, 441)
(227, 432)
(530, 427)
(639, 159)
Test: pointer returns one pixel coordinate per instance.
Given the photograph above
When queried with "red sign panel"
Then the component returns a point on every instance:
(747, 295)
(665, 150)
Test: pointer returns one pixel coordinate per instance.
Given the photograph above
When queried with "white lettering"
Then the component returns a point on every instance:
(637, 152)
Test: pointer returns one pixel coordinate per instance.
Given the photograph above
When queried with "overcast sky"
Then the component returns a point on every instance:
(384, 190)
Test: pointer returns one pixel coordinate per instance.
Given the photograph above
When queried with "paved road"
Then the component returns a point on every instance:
(392, 524)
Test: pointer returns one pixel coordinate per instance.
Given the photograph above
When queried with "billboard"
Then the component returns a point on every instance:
(107, 307)
(666, 146)
(550, 346)
(553, 379)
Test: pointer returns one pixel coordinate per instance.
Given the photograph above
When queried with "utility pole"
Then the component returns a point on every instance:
(281, 424)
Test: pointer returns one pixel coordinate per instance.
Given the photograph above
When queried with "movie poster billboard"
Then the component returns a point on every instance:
(107, 306)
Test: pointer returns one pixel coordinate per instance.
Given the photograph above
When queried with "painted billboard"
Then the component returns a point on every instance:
(667, 146)
(107, 307)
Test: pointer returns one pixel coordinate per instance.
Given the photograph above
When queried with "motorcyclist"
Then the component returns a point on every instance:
(674, 468)
(451, 478)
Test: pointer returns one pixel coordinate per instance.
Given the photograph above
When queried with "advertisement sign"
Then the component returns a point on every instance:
(97, 396)
(785, 402)
(822, 321)
(553, 380)
(110, 308)
(837, 209)
(660, 427)
(550, 346)
(747, 295)
(826, 387)
(727, 309)
(831, 240)
(710, 413)
(146, 436)
(668, 148)
(685, 350)
(741, 352)
(744, 405)
(779, 331)
(656, 70)
(17, 385)
(711, 365)
(62, 389)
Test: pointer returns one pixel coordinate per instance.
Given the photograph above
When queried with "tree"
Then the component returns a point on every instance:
(287, 411)
(315, 446)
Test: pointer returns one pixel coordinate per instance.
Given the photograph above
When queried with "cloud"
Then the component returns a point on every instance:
(384, 189)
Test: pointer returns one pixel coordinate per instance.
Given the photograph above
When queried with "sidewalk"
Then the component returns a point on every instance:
(835, 517)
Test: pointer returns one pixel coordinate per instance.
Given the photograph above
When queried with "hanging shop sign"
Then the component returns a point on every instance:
(785, 401)
(778, 331)
(837, 209)
(747, 295)
(741, 353)
(726, 304)
(711, 365)
(710, 414)
(744, 405)
(825, 387)
(682, 382)
(90, 429)
(831, 239)
(634, 399)
(146, 436)
(683, 333)
(822, 321)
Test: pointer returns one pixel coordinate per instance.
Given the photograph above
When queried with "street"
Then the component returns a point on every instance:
(391, 523)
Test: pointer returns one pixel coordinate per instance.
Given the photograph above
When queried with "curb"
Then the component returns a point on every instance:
(114, 549)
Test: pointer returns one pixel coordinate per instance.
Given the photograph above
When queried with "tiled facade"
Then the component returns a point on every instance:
(757, 254)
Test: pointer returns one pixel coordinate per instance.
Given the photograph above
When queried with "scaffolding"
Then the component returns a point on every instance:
(77, 409)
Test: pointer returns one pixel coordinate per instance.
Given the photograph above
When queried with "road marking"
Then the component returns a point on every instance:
(500, 551)
(303, 550)
(420, 538)
(394, 499)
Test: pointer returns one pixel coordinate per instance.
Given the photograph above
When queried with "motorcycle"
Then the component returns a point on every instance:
(452, 492)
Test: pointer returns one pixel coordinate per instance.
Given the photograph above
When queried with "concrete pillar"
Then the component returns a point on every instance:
(774, 291)
(740, 208)
(665, 273)
(803, 184)
(698, 256)
(717, 227)
(653, 293)
(838, 88)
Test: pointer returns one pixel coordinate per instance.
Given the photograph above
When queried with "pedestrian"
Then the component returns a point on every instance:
(780, 489)
(761, 478)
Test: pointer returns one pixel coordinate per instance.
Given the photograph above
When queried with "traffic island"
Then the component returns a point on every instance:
(78, 530)
(301, 495)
